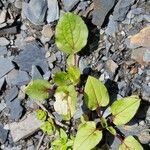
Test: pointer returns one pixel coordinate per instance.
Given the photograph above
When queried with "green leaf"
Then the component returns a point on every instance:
(87, 136)
(130, 143)
(63, 135)
(47, 127)
(61, 78)
(103, 122)
(123, 110)
(38, 89)
(111, 130)
(70, 60)
(71, 33)
(65, 104)
(74, 74)
(41, 115)
(96, 94)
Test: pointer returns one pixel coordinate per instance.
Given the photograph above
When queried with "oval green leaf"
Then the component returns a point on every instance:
(87, 136)
(111, 130)
(38, 89)
(123, 110)
(130, 143)
(96, 94)
(71, 33)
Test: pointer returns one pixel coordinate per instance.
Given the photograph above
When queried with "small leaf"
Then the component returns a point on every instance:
(47, 127)
(87, 136)
(103, 122)
(96, 94)
(65, 104)
(71, 33)
(41, 114)
(63, 135)
(61, 78)
(70, 60)
(74, 74)
(123, 110)
(38, 89)
(111, 130)
(130, 143)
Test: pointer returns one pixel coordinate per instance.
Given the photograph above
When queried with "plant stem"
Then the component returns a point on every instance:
(75, 59)
(40, 142)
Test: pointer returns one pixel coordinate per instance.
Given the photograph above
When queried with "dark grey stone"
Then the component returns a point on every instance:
(15, 109)
(146, 90)
(35, 11)
(1, 82)
(11, 94)
(18, 78)
(3, 50)
(101, 9)
(69, 4)
(35, 73)
(3, 134)
(32, 55)
(5, 66)
(121, 9)
(53, 11)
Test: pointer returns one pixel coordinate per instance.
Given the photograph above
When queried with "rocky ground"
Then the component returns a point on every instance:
(28, 51)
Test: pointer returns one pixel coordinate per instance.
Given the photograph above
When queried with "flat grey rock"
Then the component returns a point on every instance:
(3, 134)
(15, 109)
(24, 128)
(17, 78)
(121, 9)
(2, 80)
(32, 55)
(5, 66)
(35, 73)
(3, 41)
(101, 9)
(35, 11)
(53, 11)
(69, 4)
(3, 50)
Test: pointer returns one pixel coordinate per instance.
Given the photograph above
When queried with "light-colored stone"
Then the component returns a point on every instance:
(3, 16)
(111, 66)
(3, 41)
(24, 128)
(47, 31)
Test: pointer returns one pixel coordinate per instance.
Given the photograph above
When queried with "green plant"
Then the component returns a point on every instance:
(71, 37)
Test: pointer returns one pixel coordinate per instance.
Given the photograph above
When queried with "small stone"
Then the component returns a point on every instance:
(3, 41)
(3, 50)
(53, 11)
(121, 9)
(5, 66)
(146, 56)
(18, 4)
(3, 134)
(101, 9)
(47, 31)
(2, 80)
(36, 15)
(69, 4)
(3, 16)
(35, 73)
(2, 105)
(111, 66)
(32, 55)
(17, 78)
(24, 128)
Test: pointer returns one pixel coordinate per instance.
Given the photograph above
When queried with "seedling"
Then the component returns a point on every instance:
(71, 37)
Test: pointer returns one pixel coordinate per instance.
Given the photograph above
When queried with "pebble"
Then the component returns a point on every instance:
(5, 66)
(17, 78)
(18, 4)
(32, 55)
(3, 135)
(53, 11)
(36, 15)
(24, 128)
(3, 41)
(111, 66)
(69, 4)
(101, 9)
(121, 9)
(3, 16)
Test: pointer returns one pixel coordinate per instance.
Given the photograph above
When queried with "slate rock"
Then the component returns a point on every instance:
(2, 80)
(5, 66)
(32, 55)
(35, 73)
(121, 9)
(101, 9)
(11, 94)
(3, 41)
(3, 50)
(15, 109)
(17, 78)
(3, 134)
(35, 11)
(53, 11)
(69, 4)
